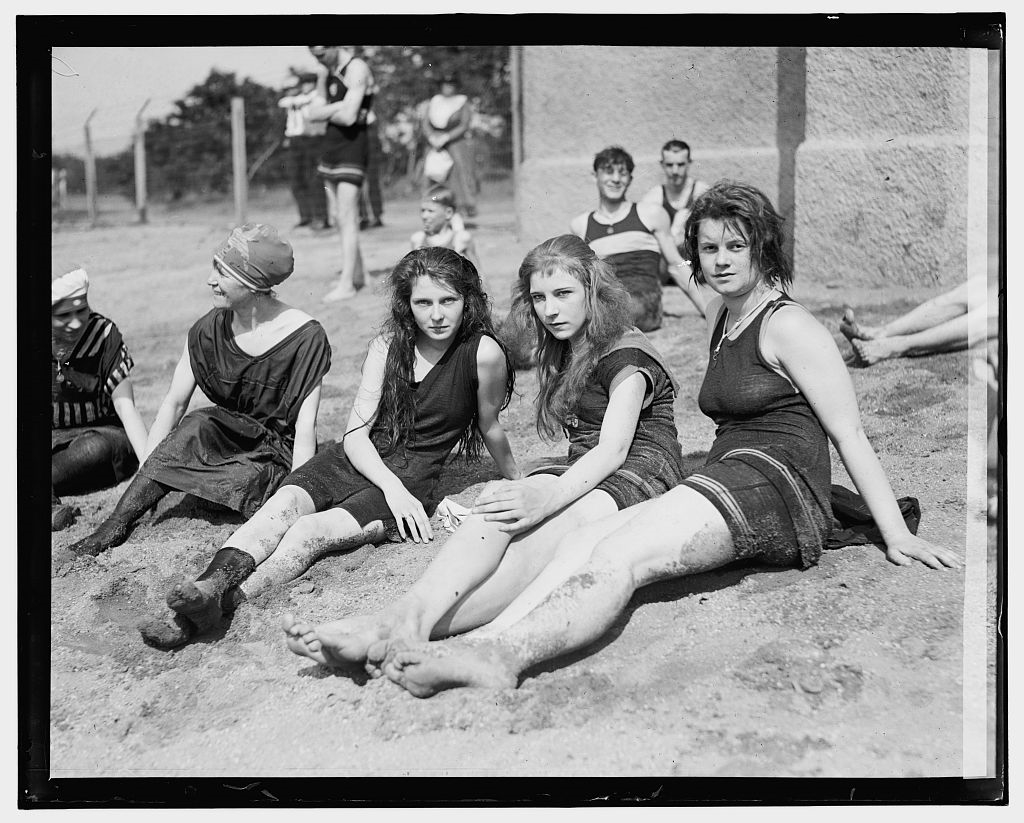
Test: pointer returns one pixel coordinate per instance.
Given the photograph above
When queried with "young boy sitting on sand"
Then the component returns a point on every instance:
(443, 225)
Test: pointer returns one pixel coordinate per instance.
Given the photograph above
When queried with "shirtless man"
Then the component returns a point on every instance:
(677, 193)
(346, 83)
(633, 237)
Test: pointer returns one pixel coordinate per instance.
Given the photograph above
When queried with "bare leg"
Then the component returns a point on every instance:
(344, 198)
(261, 534)
(948, 336)
(200, 605)
(927, 316)
(310, 538)
(474, 576)
(677, 534)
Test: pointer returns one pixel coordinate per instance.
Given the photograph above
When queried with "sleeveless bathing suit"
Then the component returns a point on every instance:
(635, 255)
(768, 471)
(346, 149)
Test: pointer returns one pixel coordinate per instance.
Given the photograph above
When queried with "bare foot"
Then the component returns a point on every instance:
(339, 643)
(429, 668)
(853, 330)
(301, 639)
(870, 352)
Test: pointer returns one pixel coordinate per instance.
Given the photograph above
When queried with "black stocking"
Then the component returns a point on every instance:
(141, 495)
(201, 606)
(84, 466)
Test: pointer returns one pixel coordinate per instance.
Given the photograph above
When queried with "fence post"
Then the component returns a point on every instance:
(238, 157)
(140, 164)
(90, 173)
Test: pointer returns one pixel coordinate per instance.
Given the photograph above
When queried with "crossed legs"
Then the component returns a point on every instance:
(677, 534)
(476, 574)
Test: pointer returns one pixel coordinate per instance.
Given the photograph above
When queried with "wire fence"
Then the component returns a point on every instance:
(110, 139)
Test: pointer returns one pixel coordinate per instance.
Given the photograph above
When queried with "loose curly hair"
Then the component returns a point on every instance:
(562, 369)
(396, 411)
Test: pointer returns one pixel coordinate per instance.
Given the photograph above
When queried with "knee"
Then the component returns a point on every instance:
(91, 448)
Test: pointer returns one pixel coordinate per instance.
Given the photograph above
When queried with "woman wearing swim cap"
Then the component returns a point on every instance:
(261, 362)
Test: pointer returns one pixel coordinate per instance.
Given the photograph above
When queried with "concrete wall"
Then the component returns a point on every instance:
(863, 150)
(576, 100)
(881, 179)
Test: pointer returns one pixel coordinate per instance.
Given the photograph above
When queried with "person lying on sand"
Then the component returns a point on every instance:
(952, 321)
(434, 380)
(778, 391)
(602, 381)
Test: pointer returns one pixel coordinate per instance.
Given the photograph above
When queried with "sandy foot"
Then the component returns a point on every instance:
(853, 330)
(429, 668)
(870, 352)
(166, 632)
(194, 601)
(346, 641)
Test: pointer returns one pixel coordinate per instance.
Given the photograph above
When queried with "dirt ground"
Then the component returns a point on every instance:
(854, 668)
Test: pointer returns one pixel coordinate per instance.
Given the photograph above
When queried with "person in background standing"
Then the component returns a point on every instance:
(303, 139)
(371, 202)
(345, 82)
(447, 126)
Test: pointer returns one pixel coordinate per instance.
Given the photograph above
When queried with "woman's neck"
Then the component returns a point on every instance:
(432, 350)
(257, 311)
(740, 306)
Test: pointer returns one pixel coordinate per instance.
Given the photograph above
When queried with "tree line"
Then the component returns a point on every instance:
(188, 152)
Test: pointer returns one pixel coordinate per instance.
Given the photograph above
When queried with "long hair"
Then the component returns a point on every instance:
(396, 410)
(747, 211)
(562, 369)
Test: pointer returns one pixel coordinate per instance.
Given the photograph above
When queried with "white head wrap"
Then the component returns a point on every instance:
(71, 287)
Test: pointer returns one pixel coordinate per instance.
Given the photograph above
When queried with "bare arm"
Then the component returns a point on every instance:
(346, 111)
(305, 428)
(521, 505)
(407, 510)
(492, 371)
(123, 397)
(652, 195)
(807, 353)
(578, 225)
(174, 404)
(656, 219)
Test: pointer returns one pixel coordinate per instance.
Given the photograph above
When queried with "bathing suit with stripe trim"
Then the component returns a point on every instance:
(768, 471)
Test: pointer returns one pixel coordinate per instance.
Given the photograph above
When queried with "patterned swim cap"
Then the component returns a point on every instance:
(256, 256)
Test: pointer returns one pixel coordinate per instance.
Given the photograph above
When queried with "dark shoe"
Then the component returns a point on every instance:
(376, 223)
(302, 223)
(62, 515)
(363, 224)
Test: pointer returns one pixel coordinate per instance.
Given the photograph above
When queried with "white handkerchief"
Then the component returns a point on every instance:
(451, 514)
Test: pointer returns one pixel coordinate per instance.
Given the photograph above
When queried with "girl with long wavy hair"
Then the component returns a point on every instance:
(605, 385)
(434, 381)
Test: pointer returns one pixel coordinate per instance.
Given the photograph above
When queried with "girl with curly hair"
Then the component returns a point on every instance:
(605, 385)
(433, 381)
